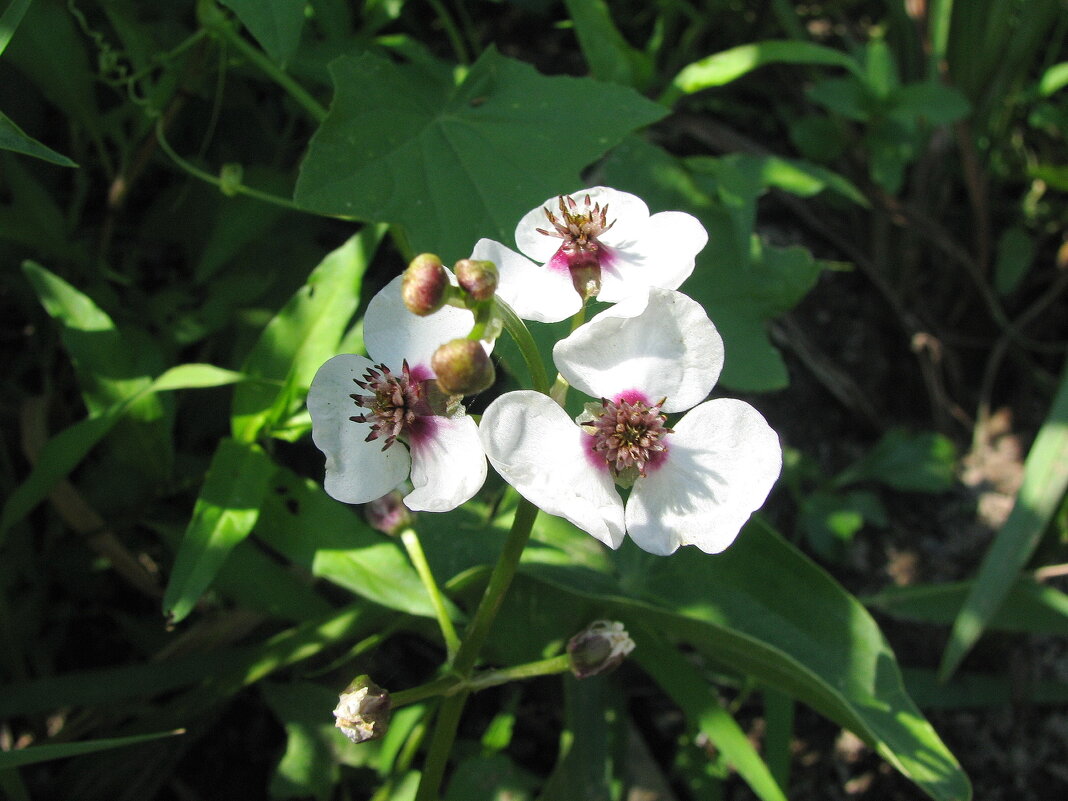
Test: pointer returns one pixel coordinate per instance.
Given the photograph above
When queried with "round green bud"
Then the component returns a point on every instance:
(478, 279)
(463, 367)
(425, 285)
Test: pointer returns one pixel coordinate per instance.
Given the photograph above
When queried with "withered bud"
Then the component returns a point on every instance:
(463, 367)
(363, 710)
(598, 648)
(425, 285)
(388, 514)
(477, 278)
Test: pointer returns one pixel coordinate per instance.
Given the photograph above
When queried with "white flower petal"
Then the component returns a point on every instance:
(663, 256)
(722, 462)
(536, 447)
(393, 334)
(665, 347)
(534, 291)
(448, 465)
(628, 211)
(356, 471)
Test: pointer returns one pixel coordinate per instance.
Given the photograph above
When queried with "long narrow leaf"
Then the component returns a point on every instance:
(303, 335)
(225, 513)
(13, 138)
(45, 753)
(1044, 483)
(692, 693)
(64, 451)
(730, 65)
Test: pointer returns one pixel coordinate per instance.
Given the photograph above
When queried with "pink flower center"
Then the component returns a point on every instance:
(581, 251)
(629, 436)
(395, 404)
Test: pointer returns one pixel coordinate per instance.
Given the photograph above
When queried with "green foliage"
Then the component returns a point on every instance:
(428, 141)
(195, 171)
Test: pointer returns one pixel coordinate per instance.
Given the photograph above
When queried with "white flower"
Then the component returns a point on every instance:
(379, 418)
(695, 483)
(600, 242)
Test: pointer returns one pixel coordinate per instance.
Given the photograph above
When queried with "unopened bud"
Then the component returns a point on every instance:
(388, 514)
(463, 367)
(425, 285)
(598, 648)
(363, 710)
(477, 278)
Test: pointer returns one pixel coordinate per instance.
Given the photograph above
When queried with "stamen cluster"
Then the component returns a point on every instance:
(629, 435)
(396, 401)
(578, 229)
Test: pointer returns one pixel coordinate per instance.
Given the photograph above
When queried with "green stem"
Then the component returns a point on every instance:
(544, 667)
(560, 386)
(474, 637)
(446, 685)
(295, 90)
(455, 39)
(422, 567)
(518, 330)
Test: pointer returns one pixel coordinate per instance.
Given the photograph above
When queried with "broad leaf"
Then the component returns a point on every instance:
(311, 529)
(454, 163)
(741, 282)
(225, 513)
(276, 24)
(303, 335)
(760, 610)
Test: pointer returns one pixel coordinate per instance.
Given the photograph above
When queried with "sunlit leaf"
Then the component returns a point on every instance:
(454, 163)
(1044, 484)
(225, 513)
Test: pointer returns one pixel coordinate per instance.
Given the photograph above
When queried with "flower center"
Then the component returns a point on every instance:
(629, 436)
(395, 402)
(581, 249)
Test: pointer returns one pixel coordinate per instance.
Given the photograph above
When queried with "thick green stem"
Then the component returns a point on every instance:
(422, 567)
(295, 90)
(544, 667)
(474, 637)
(518, 331)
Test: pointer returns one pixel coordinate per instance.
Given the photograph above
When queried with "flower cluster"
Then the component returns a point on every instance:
(654, 353)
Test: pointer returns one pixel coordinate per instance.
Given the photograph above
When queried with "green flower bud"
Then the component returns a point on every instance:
(598, 648)
(363, 710)
(425, 285)
(478, 279)
(463, 367)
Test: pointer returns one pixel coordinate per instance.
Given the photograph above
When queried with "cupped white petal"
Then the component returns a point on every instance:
(722, 462)
(536, 447)
(448, 465)
(661, 256)
(356, 471)
(661, 344)
(534, 291)
(393, 334)
(628, 213)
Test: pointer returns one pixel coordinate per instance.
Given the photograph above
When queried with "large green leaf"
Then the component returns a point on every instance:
(64, 451)
(453, 163)
(760, 610)
(741, 282)
(303, 335)
(14, 138)
(276, 24)
(1044, 485)
(311, 529)
(225, 513)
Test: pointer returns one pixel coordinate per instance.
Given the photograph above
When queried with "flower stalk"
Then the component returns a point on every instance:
(422, 567)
